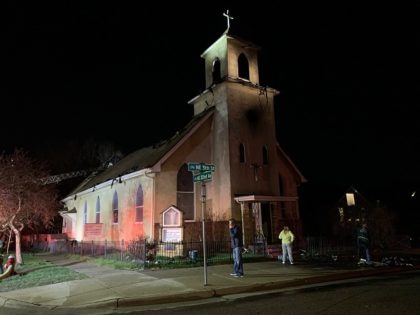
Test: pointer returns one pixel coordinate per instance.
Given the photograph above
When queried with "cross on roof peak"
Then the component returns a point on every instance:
(228, 18)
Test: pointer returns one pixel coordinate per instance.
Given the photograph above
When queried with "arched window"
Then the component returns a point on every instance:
(185, 192)
(281, 186)
(98, 211)
(265, 155)
(243, 67)
(216, 71)
(115, 208)
(85, 213)
(241, 153)
(139, 204)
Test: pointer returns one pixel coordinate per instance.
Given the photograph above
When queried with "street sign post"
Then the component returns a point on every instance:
(202, 172)
(203, 176)
(202, 167)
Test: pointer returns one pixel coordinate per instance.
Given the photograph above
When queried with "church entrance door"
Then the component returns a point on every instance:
(266, 222)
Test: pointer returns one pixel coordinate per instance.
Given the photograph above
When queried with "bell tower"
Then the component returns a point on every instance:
(243, 133)
(233, 58)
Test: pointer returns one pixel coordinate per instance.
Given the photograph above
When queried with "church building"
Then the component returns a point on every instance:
(227, 152)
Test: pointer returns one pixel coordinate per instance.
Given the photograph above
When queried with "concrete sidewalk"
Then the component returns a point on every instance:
(113, 289)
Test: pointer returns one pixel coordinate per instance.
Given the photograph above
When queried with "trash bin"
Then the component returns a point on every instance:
(193, 254)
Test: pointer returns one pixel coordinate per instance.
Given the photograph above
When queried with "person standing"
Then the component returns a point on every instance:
(236, 244)
(363, 243)
(287, 237)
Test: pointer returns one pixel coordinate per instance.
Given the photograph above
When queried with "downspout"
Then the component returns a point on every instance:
(152, 177)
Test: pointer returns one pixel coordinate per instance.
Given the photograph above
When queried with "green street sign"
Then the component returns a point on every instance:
(204, 176)
(202, 167)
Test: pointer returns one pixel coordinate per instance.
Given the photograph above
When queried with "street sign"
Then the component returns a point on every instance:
(202, 167)
(202, 172)
(203, 176)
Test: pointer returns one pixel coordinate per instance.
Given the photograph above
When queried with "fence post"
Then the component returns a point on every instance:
(92, 250)
(105, 249)
(144, 251)
(121, 251)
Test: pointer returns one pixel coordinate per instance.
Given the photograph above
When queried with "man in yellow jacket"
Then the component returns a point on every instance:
(286, 236)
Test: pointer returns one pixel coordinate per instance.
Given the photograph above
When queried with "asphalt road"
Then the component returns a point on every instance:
(396, 294)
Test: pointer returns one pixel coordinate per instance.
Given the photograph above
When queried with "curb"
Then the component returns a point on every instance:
(312, 280)
(210, 293)
(182, 297)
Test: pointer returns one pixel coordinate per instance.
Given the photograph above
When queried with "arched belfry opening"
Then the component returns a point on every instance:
(216, 71)
(243, 67)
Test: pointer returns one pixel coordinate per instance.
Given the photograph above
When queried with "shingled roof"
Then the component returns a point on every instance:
(141, 159)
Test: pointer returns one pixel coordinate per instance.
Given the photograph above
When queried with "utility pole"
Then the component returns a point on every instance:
(203, 207)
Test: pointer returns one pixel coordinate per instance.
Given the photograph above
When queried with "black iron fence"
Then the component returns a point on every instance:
(148, 254)
(323, 249)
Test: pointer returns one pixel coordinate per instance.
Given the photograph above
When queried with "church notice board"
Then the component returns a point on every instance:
(171, 234)
(93, 230)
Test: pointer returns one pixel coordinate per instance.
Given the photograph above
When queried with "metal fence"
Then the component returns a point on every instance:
(148, 254)
(328, 250)
(143, 253)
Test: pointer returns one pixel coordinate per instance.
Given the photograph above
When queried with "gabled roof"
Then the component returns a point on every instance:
(143, 158)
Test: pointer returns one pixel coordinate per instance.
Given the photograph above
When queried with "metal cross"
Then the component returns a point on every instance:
(228, 18)
(256, 167)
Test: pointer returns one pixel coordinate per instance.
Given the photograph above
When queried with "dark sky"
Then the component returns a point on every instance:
(348, 76)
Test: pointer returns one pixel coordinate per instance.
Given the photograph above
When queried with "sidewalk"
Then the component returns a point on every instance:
(113, 289)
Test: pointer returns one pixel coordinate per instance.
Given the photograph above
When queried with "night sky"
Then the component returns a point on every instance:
(348, 76)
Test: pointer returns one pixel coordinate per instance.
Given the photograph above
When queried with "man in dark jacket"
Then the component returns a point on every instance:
(236, 244)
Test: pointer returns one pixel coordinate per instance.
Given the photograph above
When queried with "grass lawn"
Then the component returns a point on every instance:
(35, 272)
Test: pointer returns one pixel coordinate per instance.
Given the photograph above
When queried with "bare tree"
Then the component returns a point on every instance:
(24, 200)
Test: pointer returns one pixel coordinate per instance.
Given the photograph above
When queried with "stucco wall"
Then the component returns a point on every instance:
(197, 148)
(126, 228)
